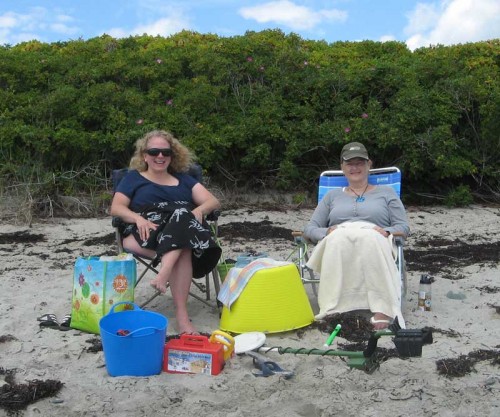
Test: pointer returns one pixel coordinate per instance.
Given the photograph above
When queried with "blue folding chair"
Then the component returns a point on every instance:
(333, 179)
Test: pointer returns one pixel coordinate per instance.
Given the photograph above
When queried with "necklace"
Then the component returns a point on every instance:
(359, 199)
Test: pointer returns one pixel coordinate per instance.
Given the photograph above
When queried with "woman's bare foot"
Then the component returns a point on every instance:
(159, 284)
(380, 321)
(184, 324)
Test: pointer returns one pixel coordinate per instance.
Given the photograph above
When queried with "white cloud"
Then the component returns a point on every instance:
(64, 29)
(164, 27)
(387, 38)
(17, 27)
(450, 22)
(118, 33)
(423, 18)
(289, 14)
(174, 21)
(64, 18)
(8, 20)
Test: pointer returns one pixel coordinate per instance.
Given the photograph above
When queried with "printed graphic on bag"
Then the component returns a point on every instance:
(97, 285)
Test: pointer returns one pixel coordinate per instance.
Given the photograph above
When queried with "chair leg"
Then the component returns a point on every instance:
(201, 299)
(141, 276)
(157, 293)
(306, 274)
(207, 286)
(216, 279)
(149, 267)
(217, 282)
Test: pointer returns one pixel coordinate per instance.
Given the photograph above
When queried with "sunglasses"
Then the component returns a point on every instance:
(157, 151)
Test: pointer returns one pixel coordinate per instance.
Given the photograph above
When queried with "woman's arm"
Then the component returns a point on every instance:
(205, 202)
(120, 208)
(399, 221)
(317, 228)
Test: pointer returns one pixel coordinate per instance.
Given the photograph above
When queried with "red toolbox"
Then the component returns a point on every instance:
(193, 354)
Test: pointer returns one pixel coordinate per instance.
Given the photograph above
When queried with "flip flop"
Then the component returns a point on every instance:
(48, 320)
(267, 368)
(65, 325)
(47, 317)
(66, 320)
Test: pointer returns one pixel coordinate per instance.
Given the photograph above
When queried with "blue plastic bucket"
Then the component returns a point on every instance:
(133, 341)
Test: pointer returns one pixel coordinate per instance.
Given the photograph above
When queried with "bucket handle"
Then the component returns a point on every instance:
(142, 329)
(112, 309)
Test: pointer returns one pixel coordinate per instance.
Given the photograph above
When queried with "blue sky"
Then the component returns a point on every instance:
(415, 22)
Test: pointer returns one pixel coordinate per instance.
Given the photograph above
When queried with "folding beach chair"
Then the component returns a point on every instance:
(150, 264)
(333, 179)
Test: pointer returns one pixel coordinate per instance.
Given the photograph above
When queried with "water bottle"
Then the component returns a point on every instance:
(425, 293)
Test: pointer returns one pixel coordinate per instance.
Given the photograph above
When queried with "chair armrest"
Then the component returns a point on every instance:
(117, 222)
(213, 216)
(399, 240)
(300, 238)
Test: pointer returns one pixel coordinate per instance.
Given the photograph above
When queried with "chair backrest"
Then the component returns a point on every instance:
(117, 175)
(333, 179)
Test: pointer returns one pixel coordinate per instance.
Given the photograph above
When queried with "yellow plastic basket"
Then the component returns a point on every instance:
(274, 300)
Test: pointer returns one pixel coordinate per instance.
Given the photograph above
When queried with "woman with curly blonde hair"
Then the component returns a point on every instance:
(164, 209)
(183, 156)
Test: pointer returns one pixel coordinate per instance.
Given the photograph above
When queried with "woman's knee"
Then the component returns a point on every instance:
(131, 245)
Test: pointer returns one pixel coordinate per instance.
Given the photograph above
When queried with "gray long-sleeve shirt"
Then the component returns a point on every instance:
(381, 206)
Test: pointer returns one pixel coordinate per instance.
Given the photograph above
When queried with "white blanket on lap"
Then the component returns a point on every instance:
(357, 271)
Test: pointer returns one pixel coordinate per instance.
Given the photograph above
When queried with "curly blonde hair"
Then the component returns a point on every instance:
(182, 158)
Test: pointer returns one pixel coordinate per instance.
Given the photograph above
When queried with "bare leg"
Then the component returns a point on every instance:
(131, 245)
(168, 261)
(180, 283)
(176, 268)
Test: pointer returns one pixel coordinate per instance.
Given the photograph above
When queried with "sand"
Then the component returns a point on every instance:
(36, 278)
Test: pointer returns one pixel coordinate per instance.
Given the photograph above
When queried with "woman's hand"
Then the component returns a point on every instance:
(383, 232)
(145, 227)
(331, 229)
(198, 214)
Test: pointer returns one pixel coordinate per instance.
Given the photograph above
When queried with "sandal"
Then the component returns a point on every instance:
(65, 325)
(48, 320)
(66, 322)
(266, 367)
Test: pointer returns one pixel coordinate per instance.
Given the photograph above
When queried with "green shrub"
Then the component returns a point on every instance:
(459, 197)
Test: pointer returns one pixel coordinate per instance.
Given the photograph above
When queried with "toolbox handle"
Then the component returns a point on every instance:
(194, 339)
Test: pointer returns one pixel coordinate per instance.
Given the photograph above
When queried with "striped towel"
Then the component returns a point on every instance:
(238, 278)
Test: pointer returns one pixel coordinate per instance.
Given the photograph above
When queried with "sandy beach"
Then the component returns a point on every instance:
(459, 247)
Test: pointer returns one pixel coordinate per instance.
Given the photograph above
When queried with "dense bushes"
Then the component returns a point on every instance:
(262, 109)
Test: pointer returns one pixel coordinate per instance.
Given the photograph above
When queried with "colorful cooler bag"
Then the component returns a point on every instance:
(98, 283)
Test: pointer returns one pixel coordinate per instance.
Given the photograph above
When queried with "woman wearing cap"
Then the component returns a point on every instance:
(353, 229)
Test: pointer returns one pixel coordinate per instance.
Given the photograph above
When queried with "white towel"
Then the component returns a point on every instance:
(357, 271)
